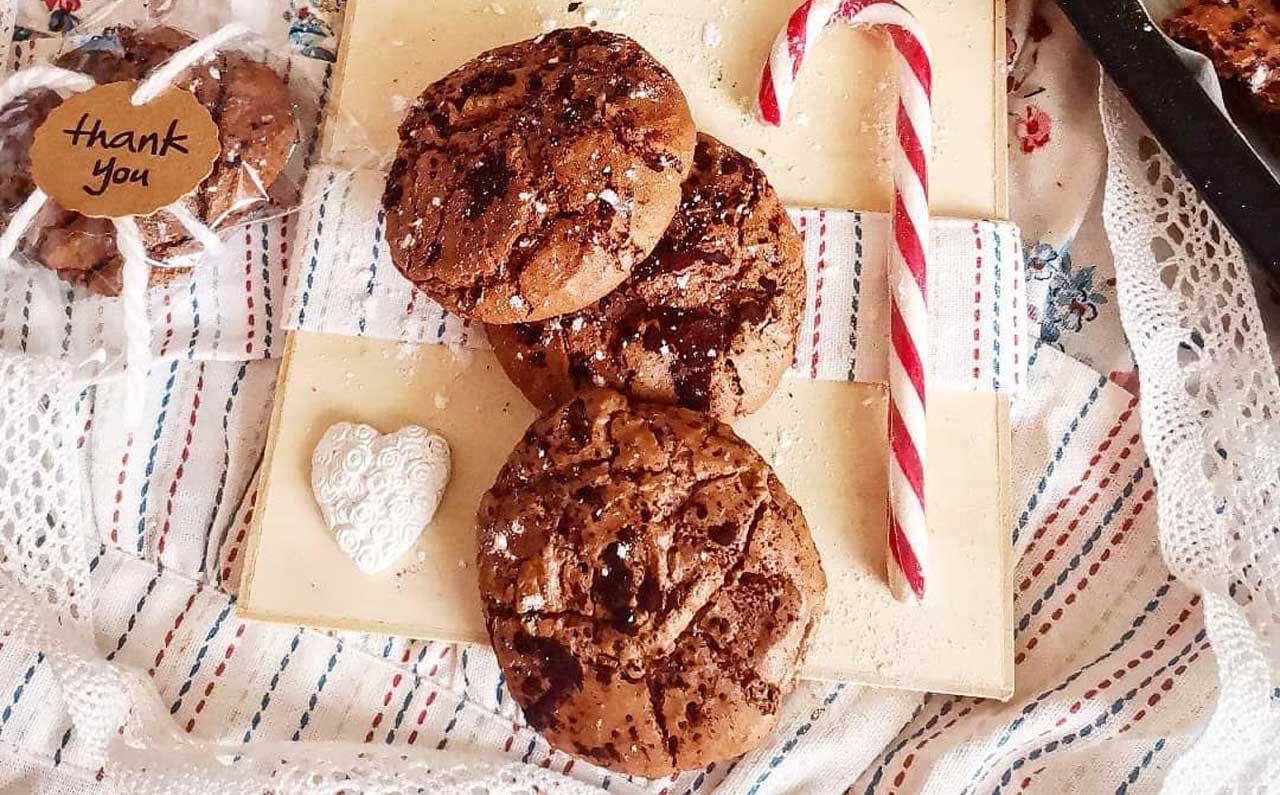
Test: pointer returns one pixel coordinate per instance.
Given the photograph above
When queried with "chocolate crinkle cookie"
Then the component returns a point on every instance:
(532, 179)
(250, 105)
(648, 585)
(709, 321)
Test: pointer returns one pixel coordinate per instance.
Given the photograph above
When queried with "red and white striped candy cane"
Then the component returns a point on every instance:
(908, 260)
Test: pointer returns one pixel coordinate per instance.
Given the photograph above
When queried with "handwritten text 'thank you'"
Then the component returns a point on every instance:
(108, 170)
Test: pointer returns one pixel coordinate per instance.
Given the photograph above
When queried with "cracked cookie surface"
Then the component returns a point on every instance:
(532, 179)
(708, 321)
(648, 585)
(248, 102)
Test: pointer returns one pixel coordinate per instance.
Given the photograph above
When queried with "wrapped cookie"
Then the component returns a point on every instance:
(249, 110)
(126, 157)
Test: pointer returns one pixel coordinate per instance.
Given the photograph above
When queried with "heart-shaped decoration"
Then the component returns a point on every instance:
(378, 492)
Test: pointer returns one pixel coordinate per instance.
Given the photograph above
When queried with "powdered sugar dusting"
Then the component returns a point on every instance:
(1261, 76)
(532, 603)
(711, 36)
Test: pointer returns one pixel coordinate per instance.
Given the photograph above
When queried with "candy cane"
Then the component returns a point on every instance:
(908, 260)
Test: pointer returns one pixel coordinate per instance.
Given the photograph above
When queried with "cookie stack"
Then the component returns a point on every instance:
(248, 102)
(648, 584)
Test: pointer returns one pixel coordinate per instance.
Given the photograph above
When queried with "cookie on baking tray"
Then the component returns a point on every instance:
(648, 585)
(709, 321)
(1242, 38)
(532, 179)
(250, 105)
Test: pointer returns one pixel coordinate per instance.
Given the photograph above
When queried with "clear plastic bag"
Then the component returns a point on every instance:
(246, 88)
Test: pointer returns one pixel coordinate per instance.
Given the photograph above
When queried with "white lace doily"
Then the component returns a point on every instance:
(1210, 399)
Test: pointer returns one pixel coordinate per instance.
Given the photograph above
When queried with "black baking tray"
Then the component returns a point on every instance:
(1205, 144)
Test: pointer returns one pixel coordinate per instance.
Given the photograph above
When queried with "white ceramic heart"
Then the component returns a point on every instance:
(377, 492)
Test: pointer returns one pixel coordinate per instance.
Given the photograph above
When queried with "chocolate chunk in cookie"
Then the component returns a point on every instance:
(648, 585)
(532, 179)
(250, 105)
(708, 321)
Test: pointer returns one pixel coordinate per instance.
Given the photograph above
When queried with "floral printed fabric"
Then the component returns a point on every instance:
(1072, 299)
(306, 24)
(1056, 161)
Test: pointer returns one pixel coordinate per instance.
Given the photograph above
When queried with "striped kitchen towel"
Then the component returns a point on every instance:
(346, 283)
(1111, 664)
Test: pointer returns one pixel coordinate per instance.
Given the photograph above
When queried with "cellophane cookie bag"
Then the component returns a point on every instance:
(264, 109)
(261, 72)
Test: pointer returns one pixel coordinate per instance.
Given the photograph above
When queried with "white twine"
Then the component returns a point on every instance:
(184, 59)
(20, 221)
(137, 326)
(136, 269)
(53, 78)
(206, 237)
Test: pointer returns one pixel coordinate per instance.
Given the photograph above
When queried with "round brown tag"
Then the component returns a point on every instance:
(102, 156)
